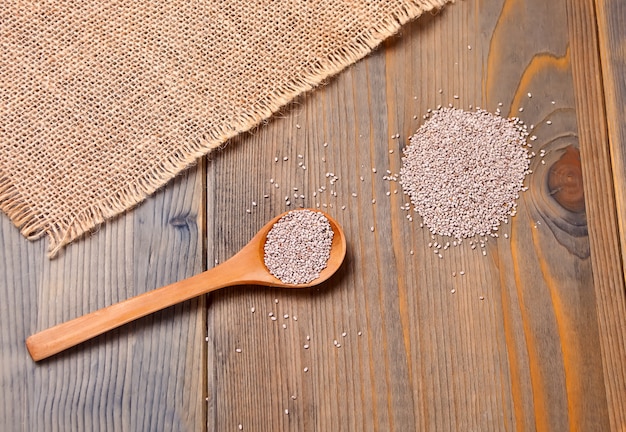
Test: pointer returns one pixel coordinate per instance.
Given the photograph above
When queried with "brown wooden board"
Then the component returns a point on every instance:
(529, 336)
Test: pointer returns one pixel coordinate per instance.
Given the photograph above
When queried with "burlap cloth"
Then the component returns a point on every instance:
(102, 101)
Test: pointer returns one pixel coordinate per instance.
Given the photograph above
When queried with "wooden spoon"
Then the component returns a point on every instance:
(247, 267)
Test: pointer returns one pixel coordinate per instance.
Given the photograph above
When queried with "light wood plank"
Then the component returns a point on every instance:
(21, 266)
(147, 375)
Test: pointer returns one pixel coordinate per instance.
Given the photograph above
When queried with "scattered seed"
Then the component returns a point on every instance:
(549, 122)
(238, 350)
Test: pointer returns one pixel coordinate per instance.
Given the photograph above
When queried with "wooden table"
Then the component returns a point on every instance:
(531, 337)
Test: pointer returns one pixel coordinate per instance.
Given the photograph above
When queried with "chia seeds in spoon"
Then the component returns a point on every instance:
(297, 247)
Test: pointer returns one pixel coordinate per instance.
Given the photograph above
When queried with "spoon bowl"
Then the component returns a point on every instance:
(250, 259)
(247, 267)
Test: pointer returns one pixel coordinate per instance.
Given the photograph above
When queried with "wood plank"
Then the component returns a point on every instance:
(598, 68)
(515, 346)
(611, 40)
(21, 265)
(147, 375)
(548, 290)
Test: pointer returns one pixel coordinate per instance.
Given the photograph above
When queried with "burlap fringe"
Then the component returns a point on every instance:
(61, 232)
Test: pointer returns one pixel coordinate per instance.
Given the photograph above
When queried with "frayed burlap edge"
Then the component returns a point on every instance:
(61, 232)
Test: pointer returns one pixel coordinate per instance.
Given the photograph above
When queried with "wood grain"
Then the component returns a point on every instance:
(611, 40)
(513, 344)
(144, 376)
(528, 336)
(602, 151)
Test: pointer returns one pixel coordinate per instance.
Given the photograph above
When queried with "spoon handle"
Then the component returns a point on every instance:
(70, 333)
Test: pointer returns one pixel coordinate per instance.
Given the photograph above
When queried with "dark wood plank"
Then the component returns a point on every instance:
(147, 375)
(548, 291)
(611, 40)
(598, 67)
(513, 344)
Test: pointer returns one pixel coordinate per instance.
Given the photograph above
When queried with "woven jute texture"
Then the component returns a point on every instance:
(102, 102)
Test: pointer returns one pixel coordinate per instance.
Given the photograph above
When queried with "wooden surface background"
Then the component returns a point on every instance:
(531, 337)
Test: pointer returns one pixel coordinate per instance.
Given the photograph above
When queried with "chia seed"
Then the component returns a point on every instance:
(464, 170)
(297, 247)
